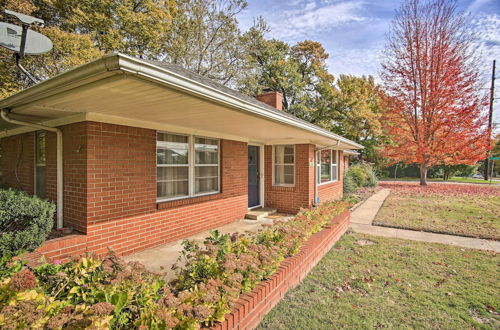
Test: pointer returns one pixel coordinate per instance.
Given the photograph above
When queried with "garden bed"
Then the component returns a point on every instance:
(252, 307)
(223, 277)
(464, 210)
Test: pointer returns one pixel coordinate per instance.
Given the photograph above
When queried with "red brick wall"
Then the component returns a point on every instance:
(173, 220)
(17, 161)
(332, 191)
(75, 175)
(136, 233)
(121, 171)
(160, 223)
(122, 212)
(301, 195)
(110, 186)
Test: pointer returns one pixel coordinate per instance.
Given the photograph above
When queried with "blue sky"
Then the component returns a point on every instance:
(353, 31)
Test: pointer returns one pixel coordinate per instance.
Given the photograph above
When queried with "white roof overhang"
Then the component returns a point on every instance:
(127, 91)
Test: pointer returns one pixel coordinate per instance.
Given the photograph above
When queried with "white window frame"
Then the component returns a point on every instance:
(37, 164)
(333, 167)
(191, 168)
(274, 166)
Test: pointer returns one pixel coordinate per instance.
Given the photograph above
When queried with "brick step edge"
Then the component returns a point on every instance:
(251, 307)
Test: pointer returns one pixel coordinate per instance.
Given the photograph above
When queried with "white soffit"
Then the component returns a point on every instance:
(133, 95)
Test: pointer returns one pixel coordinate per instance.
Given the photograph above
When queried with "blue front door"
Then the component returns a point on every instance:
(253, 176)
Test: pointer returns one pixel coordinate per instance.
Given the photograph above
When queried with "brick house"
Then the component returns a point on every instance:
(137, 153)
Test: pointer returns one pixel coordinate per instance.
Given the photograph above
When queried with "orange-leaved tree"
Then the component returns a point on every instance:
(434, 103)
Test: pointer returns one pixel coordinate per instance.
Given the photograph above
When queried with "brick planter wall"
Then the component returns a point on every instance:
(251, 308)
(62, 247)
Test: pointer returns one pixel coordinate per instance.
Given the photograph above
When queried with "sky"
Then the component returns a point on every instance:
(353, 31)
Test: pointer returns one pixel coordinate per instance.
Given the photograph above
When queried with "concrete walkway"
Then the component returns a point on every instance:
(161, 258)
(363, 216)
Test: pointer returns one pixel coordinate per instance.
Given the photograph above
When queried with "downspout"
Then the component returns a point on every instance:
(316, 195)
(4, 114)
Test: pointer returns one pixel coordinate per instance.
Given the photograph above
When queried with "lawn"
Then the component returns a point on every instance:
(467, 210)
(373, 282)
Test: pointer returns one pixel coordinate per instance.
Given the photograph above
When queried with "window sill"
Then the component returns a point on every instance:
(167, 200)
(327, 183)
(284, 185)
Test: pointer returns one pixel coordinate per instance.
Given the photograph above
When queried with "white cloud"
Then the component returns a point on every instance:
(311, 19)
(356, 62)
(476, 5)
(487, 29)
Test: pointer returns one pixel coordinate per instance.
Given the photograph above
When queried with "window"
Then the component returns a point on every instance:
(327, 169)
(284, 165)
(206, 165)
(172, 159)
(187, 166)
(40, 164)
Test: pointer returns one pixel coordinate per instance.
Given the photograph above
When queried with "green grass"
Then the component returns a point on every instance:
(453, 179)
(394, 284)
(471, 180)
(467, 215)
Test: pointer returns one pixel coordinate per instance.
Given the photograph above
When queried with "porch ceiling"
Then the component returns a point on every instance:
(128, 98)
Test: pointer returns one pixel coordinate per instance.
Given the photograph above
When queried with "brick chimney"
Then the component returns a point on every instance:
(274, 99)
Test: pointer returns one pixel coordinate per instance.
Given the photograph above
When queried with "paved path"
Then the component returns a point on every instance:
(366, 212)
(161, 258)
(363, 216)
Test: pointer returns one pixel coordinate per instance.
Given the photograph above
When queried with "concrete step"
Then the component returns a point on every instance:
(259, 213)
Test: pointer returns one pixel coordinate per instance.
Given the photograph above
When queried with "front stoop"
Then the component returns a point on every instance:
(259, 213)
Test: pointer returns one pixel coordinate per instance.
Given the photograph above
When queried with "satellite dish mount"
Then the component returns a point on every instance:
(23, 41)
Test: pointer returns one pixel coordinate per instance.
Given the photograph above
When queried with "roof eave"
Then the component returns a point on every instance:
(115, 63)
(65, 80)
(141, 68)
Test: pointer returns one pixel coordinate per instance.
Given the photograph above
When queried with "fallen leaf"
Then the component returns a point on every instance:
(438, 284)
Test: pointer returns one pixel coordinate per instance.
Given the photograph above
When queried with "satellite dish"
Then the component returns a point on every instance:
(21, 40)
(24, 18)
(11, 37)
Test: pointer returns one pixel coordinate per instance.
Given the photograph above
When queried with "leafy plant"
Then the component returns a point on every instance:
(109, 293)
(350, 186)
(25, 221)
(359, 175)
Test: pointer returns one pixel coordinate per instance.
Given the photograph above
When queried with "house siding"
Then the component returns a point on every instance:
(301, 195)
(75, 175)
(110, 187)
(123, 213)
(121, 171)
(334, 190)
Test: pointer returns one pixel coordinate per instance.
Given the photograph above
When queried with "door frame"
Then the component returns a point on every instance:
(261, 175)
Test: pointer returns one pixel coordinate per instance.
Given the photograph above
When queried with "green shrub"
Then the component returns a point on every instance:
(109, 293)
(25, 221)
(359, 175)
(371, 177)
(350, 185)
